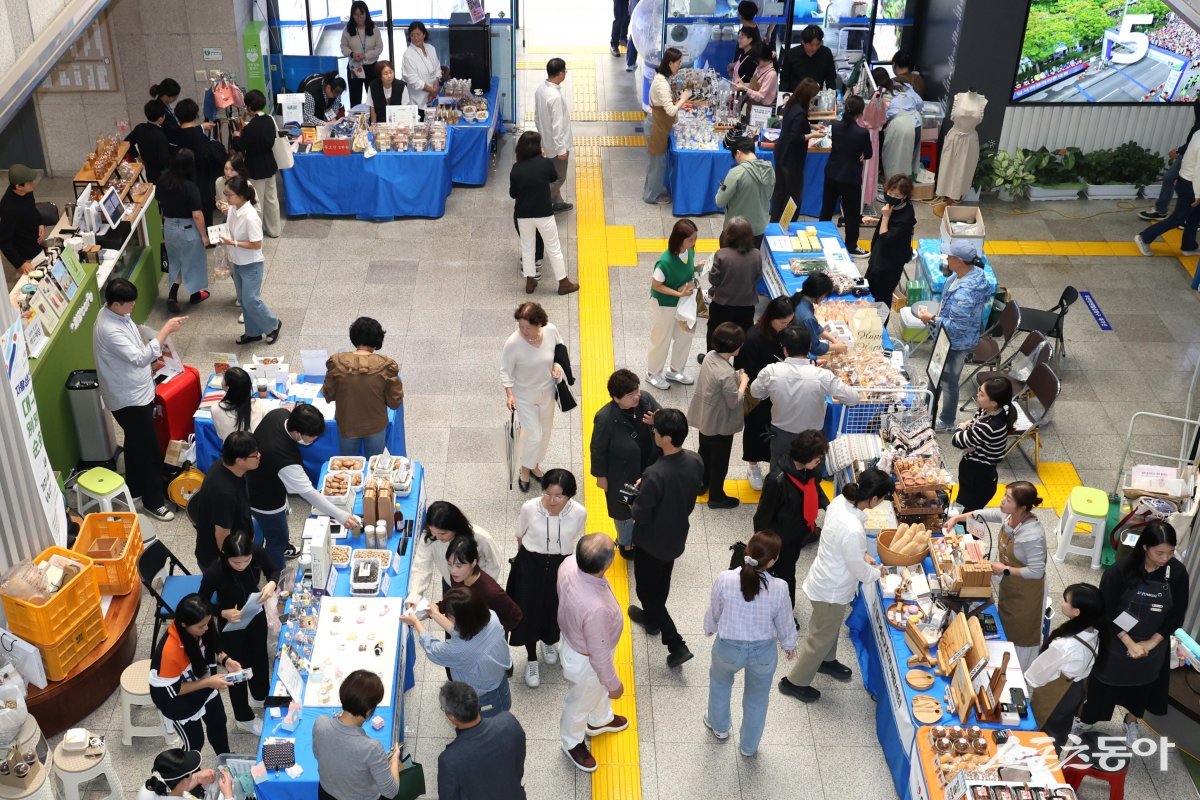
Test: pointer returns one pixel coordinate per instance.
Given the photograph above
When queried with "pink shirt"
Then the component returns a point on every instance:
(590, 619)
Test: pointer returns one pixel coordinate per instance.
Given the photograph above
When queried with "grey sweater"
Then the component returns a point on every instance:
(734, 276)
(354, 766)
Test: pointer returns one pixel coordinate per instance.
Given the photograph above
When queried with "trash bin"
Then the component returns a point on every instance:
(93, 427)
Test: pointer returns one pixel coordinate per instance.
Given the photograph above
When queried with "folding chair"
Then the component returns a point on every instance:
(1016, 368)
(988, 353)
(157, 561)
(1033, 412)
(1050, 323)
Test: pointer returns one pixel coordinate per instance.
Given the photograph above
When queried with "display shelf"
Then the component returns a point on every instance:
(86, 175)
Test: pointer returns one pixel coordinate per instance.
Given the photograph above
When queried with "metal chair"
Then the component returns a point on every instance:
(157, 561)
(988, 352)
(1050, 323)
(1016, 368)
(1033, 412)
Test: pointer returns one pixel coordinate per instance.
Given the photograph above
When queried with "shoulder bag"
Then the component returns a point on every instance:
(412, 780)
(281, 149)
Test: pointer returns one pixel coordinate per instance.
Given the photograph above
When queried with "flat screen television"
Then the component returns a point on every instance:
(1107, 52)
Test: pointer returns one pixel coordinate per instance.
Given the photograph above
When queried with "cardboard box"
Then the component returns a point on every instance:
(968, 214)
(922, 191)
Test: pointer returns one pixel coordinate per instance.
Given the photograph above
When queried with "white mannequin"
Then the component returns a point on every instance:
(960, 152)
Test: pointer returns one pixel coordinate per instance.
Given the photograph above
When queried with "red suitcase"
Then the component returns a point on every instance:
(175, 402)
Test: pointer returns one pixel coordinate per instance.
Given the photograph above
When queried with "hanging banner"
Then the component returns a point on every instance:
(20, 384)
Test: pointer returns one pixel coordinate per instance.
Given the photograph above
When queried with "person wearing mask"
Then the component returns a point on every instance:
(530, 184)
(763, 86)
(591, 624)
(149, 140)
(744, 64)
(964, 297)
(983, 439)
(547, 529)
(1056, 677)
(363, 385)
(184, 683)
(362, 44)
(798, 390)
(486, 758)
(323, 98)
(736, 271)
(761, 348)
(716, 411)
(791, 149)
(844, 172)
(529, 374)
(751, 618)
(663, 111)
(622, 447)
(891, 244)
(475, 652)
(1145, 600)
(902, 133)
(842, 563)
(384, 91)
(124, 365)
(233, 580)
(420, 69)
(353, 765)
(184, 229)
(1187, 207)
(791, 499)
(444, 522)
(176, 773)
(809, 59)
(21, 228)
(167, 91)
(257, 141)
(667, 495)
(552, 118)
(1021, 566)
(239, 409)
(462, 561)
(815, 290)
(674, 276)
(222, 503)
(208, 165)
(746, 189)
(280, 472)
(234, 165)
(245, 254)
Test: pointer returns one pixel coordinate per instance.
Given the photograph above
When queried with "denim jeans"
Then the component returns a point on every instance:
(758, 659)
(271, 531)
(497, 700)
(947, 403)
(1183, 214)
(1163, 204)
(247, 281)
(656, 175)
(363, 446)
(624, 531)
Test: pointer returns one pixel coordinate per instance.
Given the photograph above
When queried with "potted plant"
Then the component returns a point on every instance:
(1119, 173)
(1012, 176)
(1055, 173)
(985, 173)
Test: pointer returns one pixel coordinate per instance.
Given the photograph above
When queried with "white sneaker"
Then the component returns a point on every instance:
(1189, 252)
(722, 735)
(256, 703)
(1141, 245)
(657, 381)
(549, 653)
(678, 377)
(237, 302)
(241, 319)
(533, 678)
(254, 726)
(756, 477)
(1132, 733)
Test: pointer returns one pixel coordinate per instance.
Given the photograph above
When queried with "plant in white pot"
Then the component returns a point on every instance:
(1119, 174)
(1012, 176)
(1055, 173)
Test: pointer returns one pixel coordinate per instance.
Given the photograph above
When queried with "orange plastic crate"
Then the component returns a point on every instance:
(63, 656)
(50, 622)
(116, 575)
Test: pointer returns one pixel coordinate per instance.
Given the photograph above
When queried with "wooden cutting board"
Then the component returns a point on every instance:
(919, 679)
(926, 709)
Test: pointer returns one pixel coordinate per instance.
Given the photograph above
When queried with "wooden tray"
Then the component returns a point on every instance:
(916, 505)
(919, 679)
(927, 710)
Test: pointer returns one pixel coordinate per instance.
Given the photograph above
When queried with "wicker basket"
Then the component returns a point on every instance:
(891, 557)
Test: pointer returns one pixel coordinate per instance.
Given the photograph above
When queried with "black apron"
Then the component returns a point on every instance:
(1149, 602)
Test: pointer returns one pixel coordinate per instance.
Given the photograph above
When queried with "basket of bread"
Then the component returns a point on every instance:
(904, 546)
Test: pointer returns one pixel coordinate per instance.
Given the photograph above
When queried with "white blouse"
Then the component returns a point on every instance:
(417, 69)
(225, 421)
(430, 561)
(1066, 656)
(526, 369)
(540, 532)
(244, 226)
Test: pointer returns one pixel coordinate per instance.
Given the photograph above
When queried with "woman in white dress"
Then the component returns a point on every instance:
(528, 373)
(420, 69)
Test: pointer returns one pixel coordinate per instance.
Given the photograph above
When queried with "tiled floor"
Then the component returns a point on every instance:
(444, 291)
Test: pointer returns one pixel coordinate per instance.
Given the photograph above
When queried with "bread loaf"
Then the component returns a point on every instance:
(901, 537)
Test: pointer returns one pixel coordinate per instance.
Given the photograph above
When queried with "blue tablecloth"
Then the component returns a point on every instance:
(929, 269)
(278, 785)
(208, 444)
(471, 146)
(895, 727)
(693, 177)
(386, 186)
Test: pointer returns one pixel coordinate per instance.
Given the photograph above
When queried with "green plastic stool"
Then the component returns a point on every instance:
(98, 488)
(1089, 506)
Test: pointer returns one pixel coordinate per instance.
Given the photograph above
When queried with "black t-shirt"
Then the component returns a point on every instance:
(234, 588)
(222, 502)
(19, 222)
(178, 202)
(529, 184)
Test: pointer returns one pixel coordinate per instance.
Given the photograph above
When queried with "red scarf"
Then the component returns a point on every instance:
(811, 504)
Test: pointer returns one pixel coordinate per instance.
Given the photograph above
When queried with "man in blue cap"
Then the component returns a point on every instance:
(960, 315)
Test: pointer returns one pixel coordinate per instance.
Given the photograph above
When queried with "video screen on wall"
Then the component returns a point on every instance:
(1107, 51)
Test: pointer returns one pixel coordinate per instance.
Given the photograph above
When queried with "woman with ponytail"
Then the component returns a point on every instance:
(177, 773)
(842, 563)
(1056, 677)
(245, 253)
(1021, 566)
(982, 439)
(749, 612)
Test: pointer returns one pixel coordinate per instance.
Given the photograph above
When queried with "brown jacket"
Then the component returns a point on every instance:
(363, 386)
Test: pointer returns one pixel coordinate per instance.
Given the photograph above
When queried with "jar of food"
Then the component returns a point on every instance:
(942, 744)
(979, 746)
(961, 746)
(974, 732)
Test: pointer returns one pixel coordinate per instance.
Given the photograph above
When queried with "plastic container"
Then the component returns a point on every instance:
(49, 623)
(64, 655)
(117, 574)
